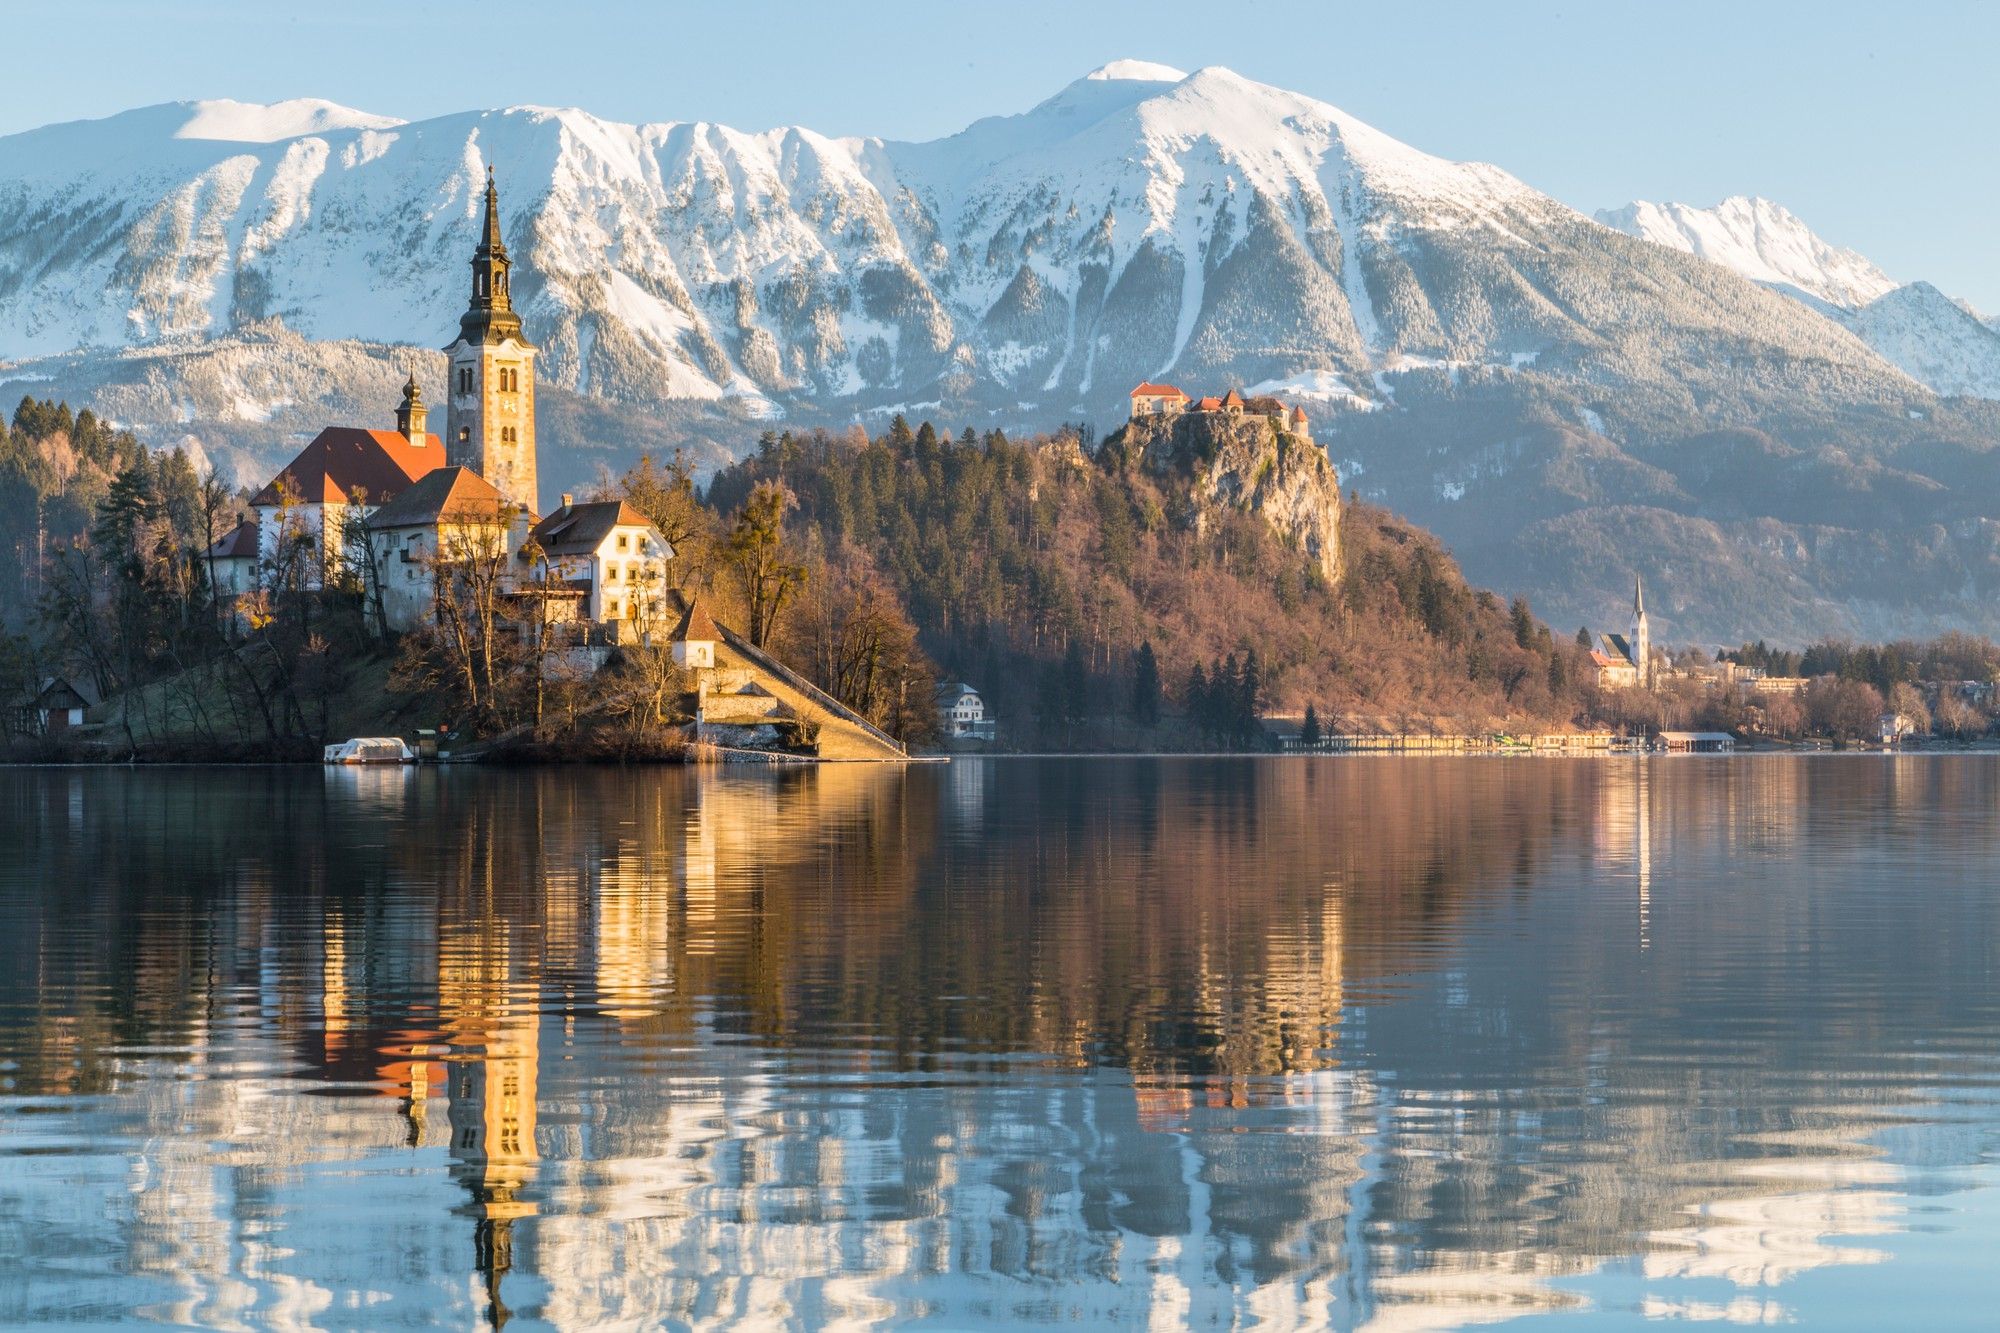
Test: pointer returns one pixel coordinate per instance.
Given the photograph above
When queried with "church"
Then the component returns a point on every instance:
(1625, 661)
(391, 510)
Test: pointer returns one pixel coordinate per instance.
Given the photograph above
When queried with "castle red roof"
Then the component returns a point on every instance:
(343, 459)
(1209, 405)
(1232, 399)
(1149, 390)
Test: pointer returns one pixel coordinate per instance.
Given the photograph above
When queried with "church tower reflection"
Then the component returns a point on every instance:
(494, 1027)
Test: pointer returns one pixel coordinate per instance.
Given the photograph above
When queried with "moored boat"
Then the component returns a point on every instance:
(370, 750)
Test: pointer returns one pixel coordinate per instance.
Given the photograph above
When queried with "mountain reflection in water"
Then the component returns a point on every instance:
(1353, 1043)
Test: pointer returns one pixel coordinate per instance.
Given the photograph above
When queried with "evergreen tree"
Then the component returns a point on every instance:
(1309, 734)
(1194, 699)
(1583, 637)
(1075, 685)
(1524, 623)
(1145, 686)
(1249, 702)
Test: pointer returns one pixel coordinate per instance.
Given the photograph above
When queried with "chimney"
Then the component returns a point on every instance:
(566, 499)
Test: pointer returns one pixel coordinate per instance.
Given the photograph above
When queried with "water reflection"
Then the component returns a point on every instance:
(1382, 1044)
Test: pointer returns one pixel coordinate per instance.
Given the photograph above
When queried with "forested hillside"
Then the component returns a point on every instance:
(1042, 574)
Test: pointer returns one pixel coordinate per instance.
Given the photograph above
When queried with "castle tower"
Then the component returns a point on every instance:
(1641, 637)
(412, 417)
(490, 403)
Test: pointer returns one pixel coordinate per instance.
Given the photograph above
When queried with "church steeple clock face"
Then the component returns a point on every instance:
(490, 412)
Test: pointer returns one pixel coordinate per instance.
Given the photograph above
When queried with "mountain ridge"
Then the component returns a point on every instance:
(1473, 351)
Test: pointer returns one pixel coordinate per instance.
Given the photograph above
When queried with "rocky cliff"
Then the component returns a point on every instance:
(1250, 462)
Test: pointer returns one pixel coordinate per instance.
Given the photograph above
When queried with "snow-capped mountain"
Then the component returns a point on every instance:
(1942, 343)
(1541, 388)
(1763, 241)
(1140, 222)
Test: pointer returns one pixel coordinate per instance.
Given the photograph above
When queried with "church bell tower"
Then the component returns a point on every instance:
(1641, 637)
(490, 398)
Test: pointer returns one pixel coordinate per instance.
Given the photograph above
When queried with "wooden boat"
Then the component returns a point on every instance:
(370, 750)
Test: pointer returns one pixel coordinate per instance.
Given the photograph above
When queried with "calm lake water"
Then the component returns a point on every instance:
(1360, 1043)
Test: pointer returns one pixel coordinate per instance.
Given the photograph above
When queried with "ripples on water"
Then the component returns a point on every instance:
(1398, 1044)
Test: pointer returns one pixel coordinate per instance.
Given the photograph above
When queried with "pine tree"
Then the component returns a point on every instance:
(1145, 686)
(1075, 685)
(1194, 699)
(1309, 734)
(1583, 637)
(1249, 701)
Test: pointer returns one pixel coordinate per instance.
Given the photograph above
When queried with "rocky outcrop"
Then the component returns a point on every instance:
(1250, 462)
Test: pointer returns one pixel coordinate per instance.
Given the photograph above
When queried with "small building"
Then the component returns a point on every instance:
(232, 562)
(614, 555)
(450, 515)
(962, 714)
(1157, 400)
(695, 638)
(1232, 403)
(1894, 728)
(1614, 671)
(1697, 742)
(53, 708)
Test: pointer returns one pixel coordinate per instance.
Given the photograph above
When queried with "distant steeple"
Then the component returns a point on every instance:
(412, 417)
(1641, 637)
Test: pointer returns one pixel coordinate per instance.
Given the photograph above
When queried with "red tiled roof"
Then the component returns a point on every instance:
(239, 543)
(342, 459)
(1150, 390)
(1232, 399)
(1209, 405)
(1298, 414)
(696, 625)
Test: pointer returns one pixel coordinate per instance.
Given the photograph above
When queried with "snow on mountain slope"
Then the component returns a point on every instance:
(1941, 343)
(1932, 337)
(250, 122)
(1763, 241)
(1141, 222)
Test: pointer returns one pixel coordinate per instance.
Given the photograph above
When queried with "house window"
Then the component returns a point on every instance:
(624, 542)
(611, 574)
(464, 434)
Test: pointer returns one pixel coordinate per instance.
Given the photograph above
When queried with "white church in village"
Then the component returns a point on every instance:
(411, 506)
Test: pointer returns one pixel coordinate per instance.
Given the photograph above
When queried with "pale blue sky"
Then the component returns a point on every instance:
(1873, 122)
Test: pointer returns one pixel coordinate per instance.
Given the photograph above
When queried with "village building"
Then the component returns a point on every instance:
(232, 562)
(613, 556)
(962, 713)
(1697, 742)
(311, 511)
(450, 516)
(54, 706)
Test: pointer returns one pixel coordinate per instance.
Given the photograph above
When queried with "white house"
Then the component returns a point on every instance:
(614, 555)
(962, 713)
(452, 514)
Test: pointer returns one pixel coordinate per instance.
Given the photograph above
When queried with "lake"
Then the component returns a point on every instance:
(1383, 1043)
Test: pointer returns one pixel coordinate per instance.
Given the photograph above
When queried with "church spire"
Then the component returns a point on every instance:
(490, 317)
(1638, 596)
